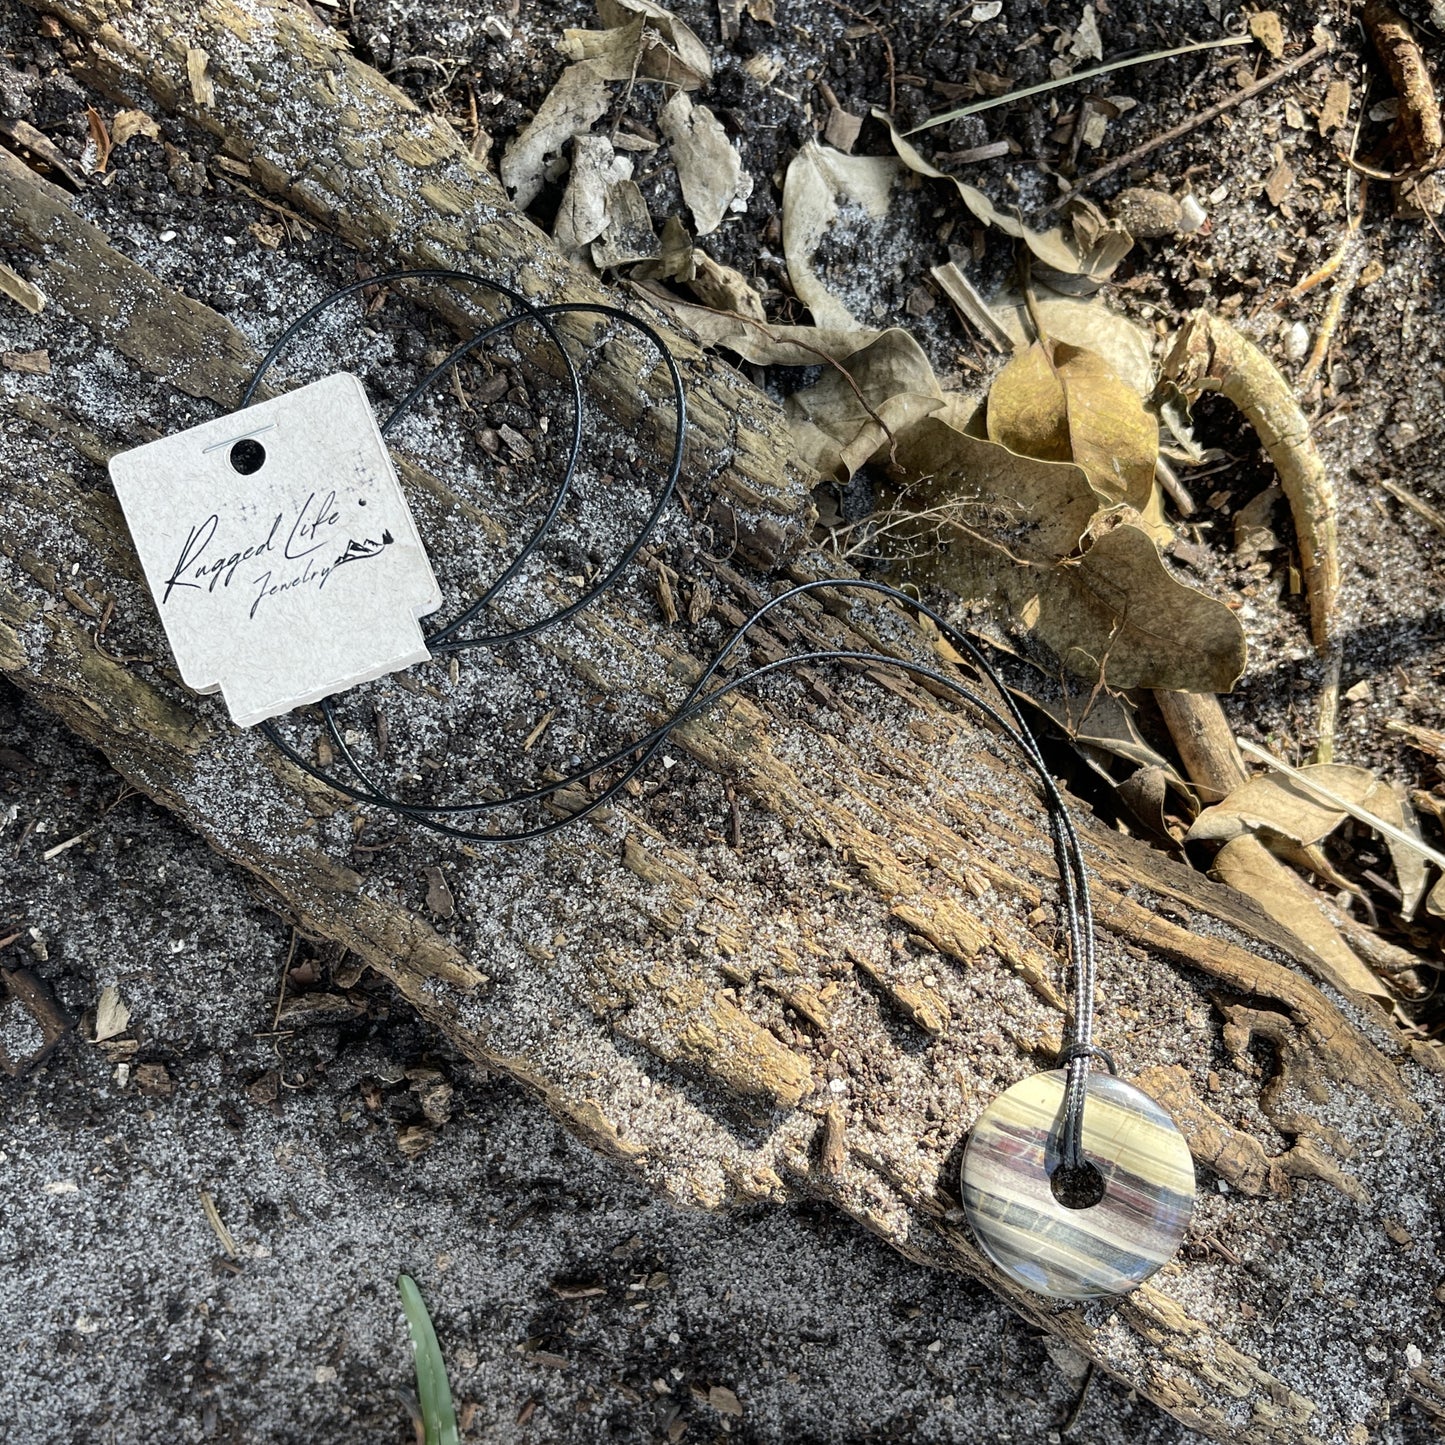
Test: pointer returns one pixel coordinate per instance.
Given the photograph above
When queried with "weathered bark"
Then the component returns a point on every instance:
(687, 1007)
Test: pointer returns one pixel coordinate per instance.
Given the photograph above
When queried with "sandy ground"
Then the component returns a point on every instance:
(570, 1305)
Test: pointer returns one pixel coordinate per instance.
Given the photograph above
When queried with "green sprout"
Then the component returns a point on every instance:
(434, 1394)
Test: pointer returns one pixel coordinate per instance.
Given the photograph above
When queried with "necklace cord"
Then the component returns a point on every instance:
(454, 638)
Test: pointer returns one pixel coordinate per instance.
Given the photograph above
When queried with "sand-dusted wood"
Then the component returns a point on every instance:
(817, 1007)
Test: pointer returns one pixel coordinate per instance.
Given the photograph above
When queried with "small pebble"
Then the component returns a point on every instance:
(1297, 341)
(1191, 215)
(1147, 214)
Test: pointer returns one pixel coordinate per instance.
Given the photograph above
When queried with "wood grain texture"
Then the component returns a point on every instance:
(694, 1009)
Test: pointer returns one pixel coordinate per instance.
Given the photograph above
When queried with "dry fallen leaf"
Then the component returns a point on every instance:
(615, 54)
(764, 344)
(99, 138)
(1117, 615)
(817, 177)
(994, 526)
(990, 509)
(671, 51)
(1210, 355)
(629, 236)
(1072, 407)
(1283, 807)
(708, 164)
(596, 169)
(723, 287)
(1246, 864)
(1055, 251)
(1102, 723)
(676, 258)
(1084, 323)
(839, 424)
(579, 98)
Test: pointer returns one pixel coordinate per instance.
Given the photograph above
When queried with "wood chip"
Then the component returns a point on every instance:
(842, 129)
(665, 599)
(724, 1401)
(28, 363)
(833, 1151)
(203, 88)
(19, 290)
(112, 1017)
(971, 306)
(41, 146)
(1279, 182)
(130, 123)
(415, 1140)
(1266, 29)
(438, 896)
(154, 1081)
(1336, 110)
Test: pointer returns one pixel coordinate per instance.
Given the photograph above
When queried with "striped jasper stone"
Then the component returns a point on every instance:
(1107, 1248)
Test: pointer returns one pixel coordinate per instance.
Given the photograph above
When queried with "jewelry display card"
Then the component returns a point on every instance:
(280, 549)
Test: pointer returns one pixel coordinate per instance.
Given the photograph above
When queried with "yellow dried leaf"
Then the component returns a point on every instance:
(1076, 409)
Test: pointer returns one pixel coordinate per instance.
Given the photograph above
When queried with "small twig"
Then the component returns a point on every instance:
(1177, 492)
(213, 1218)
(1422, 508)
(1045, 85)
(1398, 835)
(59, 848)
(1329, 714)
(285, 973)
(1174, 133)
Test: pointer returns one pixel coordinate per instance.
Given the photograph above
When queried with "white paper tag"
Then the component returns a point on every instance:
(280, 549)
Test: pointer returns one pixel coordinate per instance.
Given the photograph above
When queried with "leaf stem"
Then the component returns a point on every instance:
(1062, 80)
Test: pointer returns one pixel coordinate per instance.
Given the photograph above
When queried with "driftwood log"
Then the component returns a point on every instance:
(818, 1007)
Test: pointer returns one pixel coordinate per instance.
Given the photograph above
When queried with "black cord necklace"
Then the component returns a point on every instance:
(1070, 1203)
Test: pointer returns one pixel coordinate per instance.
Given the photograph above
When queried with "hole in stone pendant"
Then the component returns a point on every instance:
(1077, 1187)
(247, 456)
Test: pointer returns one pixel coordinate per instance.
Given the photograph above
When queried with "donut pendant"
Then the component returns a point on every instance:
(1107, 1248)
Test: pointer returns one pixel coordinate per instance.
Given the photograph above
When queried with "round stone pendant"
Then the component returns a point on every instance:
(1107, 1248)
